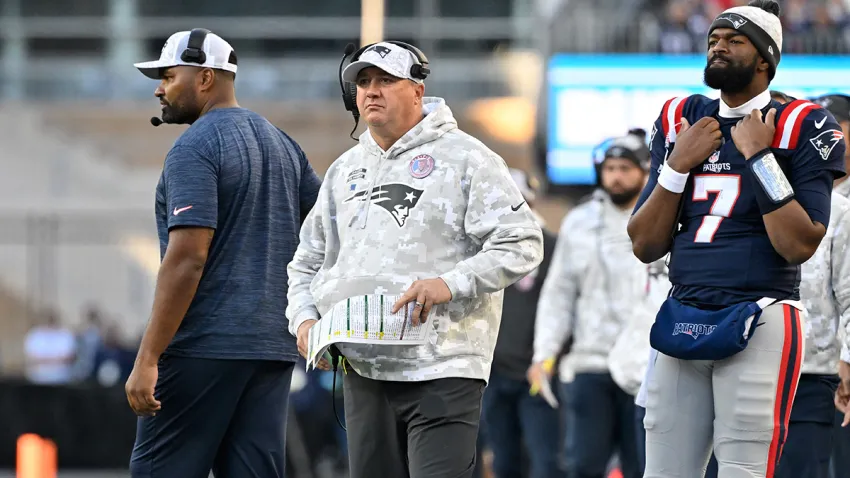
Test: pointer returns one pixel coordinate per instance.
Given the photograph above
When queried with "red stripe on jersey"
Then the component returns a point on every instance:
(678, 116)
(780, 125)
(798, 125)
(665, 126)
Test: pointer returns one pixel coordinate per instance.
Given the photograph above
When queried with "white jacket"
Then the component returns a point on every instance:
(593, 283)
(825, 291)
(629, 357)
(843, 188)
(377, 227)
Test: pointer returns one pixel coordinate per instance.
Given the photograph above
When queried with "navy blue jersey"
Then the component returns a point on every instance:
(235, 172)
(721, 253)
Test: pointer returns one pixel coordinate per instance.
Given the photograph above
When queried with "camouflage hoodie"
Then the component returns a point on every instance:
(825, 291)
(843, 188)
(381, 222)
(591, 288)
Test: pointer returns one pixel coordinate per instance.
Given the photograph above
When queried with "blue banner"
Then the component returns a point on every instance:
(595, 97)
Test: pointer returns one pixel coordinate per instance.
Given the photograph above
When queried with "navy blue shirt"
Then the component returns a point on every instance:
(721, 253)
(235, 172)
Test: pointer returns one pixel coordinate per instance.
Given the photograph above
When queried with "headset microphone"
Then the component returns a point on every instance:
(156, 121)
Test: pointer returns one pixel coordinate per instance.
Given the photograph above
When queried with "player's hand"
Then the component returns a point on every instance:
(752, 134)
(140, 388)
(842, 395)
(694, 144)
(425, 294)
(303, 341)
(537, 373)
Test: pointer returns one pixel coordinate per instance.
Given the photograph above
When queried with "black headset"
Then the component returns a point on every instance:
(194, 52)
(419, 70)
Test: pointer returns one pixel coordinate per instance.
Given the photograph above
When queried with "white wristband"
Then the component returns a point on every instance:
(672, 180)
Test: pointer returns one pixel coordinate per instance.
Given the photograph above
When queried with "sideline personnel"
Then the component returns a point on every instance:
(590, 294)
(425, 219)
(232, 194)
(515, 422)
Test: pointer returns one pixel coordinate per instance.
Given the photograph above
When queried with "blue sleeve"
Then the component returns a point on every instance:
(817, 160)
(191, 188)
(658, 152)
(310, 184)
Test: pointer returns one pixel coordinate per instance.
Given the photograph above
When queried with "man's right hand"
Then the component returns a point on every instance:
(694, 144)
(304, 339)
(538, 373)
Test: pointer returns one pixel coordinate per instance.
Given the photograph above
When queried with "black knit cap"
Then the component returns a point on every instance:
(838, 105)
(632, 147)
(758, 21)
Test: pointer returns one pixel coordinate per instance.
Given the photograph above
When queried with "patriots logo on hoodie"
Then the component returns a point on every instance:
(397, 199)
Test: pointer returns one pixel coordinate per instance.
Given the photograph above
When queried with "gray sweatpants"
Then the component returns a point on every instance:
(740, 405)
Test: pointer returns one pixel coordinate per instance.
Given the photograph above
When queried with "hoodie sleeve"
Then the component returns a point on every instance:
(307, 261)
(555, 316)
(498, 219)
(841, 276)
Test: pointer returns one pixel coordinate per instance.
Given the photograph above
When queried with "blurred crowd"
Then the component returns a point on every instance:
(820, 24)
(56, 354)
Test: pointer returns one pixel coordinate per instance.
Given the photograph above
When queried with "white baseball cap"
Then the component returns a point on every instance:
(391, 58)
(219, 55)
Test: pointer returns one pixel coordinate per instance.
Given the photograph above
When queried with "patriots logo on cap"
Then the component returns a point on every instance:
(737, 21)
(379, 49)
(397, 199)
(825, 102)
(826, 141)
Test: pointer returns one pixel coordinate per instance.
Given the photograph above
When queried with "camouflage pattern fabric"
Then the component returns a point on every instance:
(825, 291)
(629, 356)
(438, 203)
(591, 288)
(843, 188)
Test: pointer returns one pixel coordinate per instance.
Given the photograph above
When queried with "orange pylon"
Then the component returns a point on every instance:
(37, 457)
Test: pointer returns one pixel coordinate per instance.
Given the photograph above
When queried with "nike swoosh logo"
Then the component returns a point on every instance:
(178, 211)
(516, 208)
(820, 123)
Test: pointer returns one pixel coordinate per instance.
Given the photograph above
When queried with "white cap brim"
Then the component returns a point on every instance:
(152, 69)
(351, 71)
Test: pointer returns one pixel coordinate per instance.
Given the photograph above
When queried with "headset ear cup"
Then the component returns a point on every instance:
(194, 52)
(350, 97)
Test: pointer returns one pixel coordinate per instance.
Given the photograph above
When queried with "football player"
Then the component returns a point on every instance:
(739, 195)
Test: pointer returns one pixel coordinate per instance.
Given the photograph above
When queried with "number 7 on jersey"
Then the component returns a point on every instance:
(727, 187)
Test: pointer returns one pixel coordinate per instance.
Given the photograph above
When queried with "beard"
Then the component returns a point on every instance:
(730, 78)
(179, 111)
(621, 198)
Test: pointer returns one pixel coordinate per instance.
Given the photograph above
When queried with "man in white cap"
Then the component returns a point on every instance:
(739, 195)
(211, 379)
(417, 231)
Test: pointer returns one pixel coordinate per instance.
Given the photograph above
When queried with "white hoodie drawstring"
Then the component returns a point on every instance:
(363, 211)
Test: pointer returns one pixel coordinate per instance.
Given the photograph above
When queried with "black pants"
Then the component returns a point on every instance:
(228, 416)
(601, 419)
(514, 419)
(840, 466)
(412, 429)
